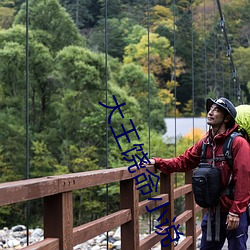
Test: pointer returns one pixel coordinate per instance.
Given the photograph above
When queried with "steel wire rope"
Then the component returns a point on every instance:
(215, 52)
(192, 71)
(175, 87)
(222, 68)
(77, 13)
(106, 97)
(205, 48)
(149, 122)
(223, 77)
(27, 206)
(229, 55)
(219, 63)
(221, 46)
(229, 83)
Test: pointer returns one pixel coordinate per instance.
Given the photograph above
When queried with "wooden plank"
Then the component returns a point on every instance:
(182, 190)
(190, 205)
(167, 187)
(24, 190)
(182, 218)
(185, 244)
(46, 244)
(198, 208)
(98, 177)
(129, 197)
(90, 230)
(198, 231)
(154, 238)
(58, 219)
(152, 203)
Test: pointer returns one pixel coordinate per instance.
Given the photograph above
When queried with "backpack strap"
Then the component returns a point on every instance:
(227, 148)
(203, 152)
(217, 207)
(227, 151)
(203, 155)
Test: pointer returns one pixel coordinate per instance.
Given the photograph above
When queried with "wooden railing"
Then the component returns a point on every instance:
(56, 192)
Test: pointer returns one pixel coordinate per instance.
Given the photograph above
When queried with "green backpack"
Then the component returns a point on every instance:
(243, 120)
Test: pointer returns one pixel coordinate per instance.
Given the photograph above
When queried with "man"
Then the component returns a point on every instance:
(221, 115)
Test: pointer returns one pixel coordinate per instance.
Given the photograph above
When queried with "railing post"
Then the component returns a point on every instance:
(129, 198)
(190, 205)
(167, 187)
(58, 219)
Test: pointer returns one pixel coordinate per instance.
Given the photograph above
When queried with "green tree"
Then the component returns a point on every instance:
(84, 13)
(53, 25)
(131, 9)
(13, 148)
(13, 60)
(135, 82)
(7, 12)
(12, 124)
(6, 17)
(161, 57)
(117, 31)
(161, 16)
(237, 21)
(42, 163)
(241, 56)
(79, 74)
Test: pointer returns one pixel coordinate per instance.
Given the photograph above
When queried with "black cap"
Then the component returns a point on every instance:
(223, 103)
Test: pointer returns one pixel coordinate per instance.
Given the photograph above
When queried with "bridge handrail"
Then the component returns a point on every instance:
(56, 192)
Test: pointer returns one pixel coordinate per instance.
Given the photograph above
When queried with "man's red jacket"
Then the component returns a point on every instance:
(241, 167)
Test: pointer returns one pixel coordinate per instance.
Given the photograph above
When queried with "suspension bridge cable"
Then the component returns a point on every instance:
(229, 84)
(106, 82)
(148, 27)
(220, 46)
(192, 74)
(215, 52)
(205, 49)
(175, 87)
(27, 206)
(149, 121)
(77, 13)
(223, 80)
(222, 68)
(205, 52)
(229, 53)
(174, 74)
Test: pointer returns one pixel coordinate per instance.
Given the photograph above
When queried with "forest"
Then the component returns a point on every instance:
(162, 58)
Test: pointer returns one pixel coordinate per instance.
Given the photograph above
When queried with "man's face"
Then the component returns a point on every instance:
(215, 116)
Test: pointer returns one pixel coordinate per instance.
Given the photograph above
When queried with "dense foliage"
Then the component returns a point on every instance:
(74, 64)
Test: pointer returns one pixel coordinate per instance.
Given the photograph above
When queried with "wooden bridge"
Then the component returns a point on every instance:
(56, 192)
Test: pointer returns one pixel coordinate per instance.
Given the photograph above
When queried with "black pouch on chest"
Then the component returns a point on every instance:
(206, 182)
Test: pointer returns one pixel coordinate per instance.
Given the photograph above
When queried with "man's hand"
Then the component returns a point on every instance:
(232, 221)
(152, 162)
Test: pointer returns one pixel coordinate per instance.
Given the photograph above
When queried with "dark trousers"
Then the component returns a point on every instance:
(237, 238)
